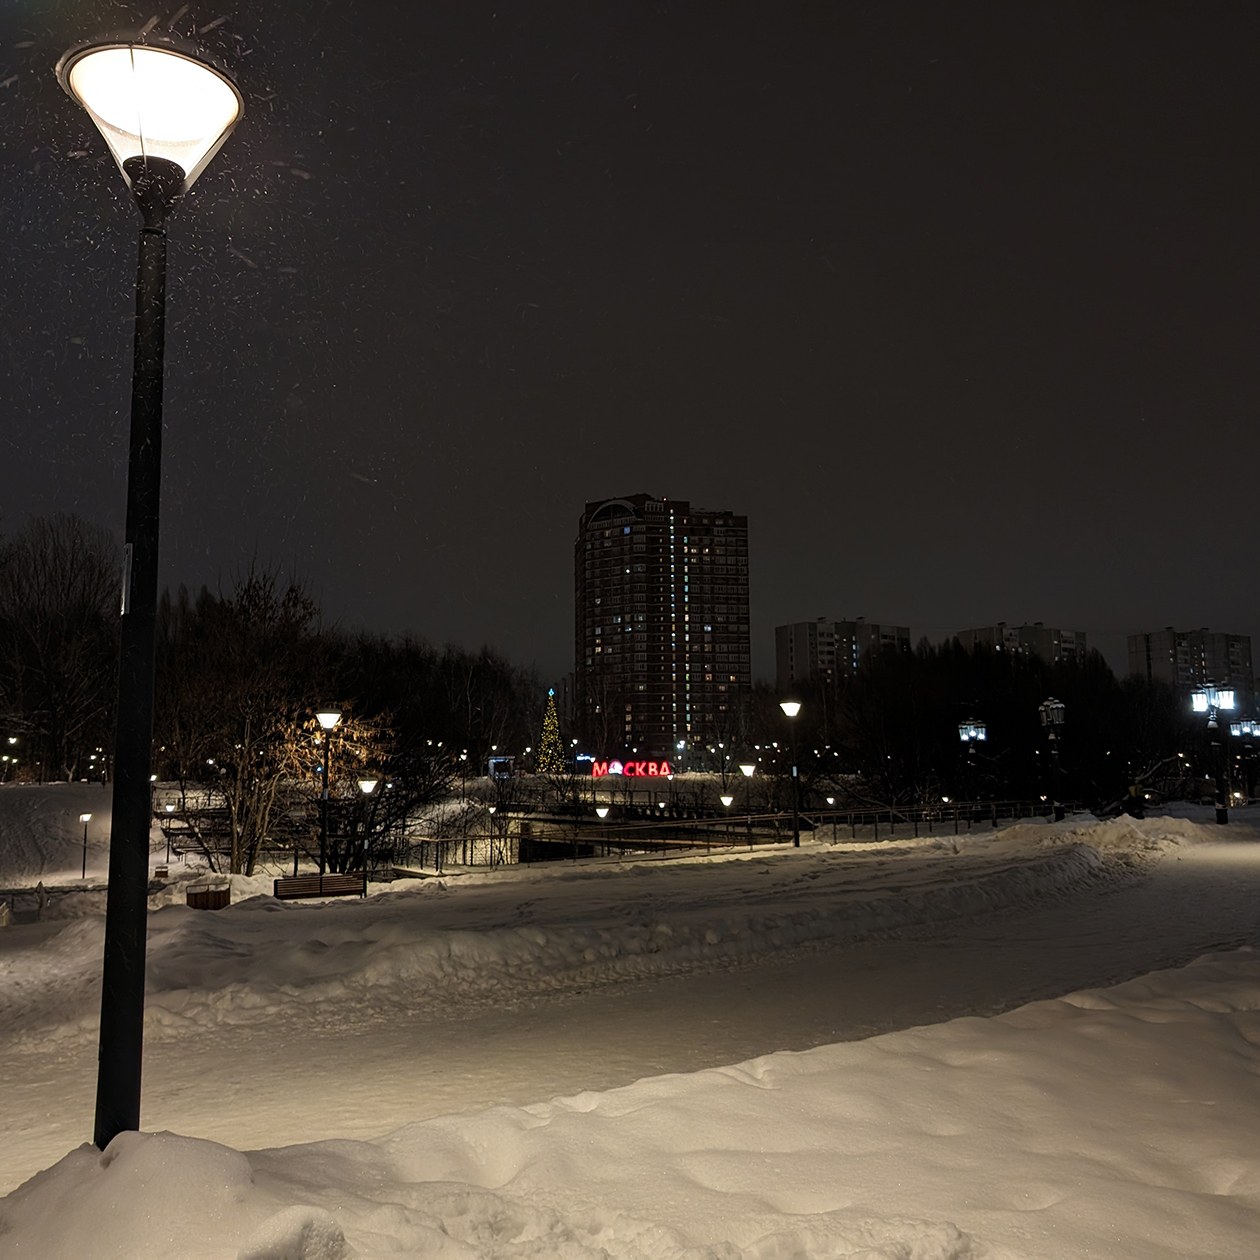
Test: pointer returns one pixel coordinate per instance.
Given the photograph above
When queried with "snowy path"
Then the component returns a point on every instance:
(377, 1063)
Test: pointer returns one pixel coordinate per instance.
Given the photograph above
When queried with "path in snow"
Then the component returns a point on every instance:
(399, 1066)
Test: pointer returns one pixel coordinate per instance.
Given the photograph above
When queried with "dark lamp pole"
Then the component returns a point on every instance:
(327, 719)
(1053, 713)
(136, 90)
(791, 708)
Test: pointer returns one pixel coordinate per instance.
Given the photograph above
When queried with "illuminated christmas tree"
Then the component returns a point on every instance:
(550, 750)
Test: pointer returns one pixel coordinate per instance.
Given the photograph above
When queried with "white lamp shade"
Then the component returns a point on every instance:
(790, 707)
(602, 810)
(747, 770)
(328, 719)
(84, 818)
(366, 786)
(150, 101)
(726, 800)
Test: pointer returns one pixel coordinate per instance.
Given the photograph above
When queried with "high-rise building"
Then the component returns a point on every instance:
(661, 625)
(1046, 642)
(830, 650)
(1189, 659)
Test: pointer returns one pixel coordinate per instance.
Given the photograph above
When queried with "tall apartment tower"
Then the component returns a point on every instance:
(830, 650)
(1047, 642)
(1188, 659)
(661, 641)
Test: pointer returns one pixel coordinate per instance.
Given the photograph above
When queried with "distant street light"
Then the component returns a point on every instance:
(366, 787)
(1213, 700)
(791, 708)
(327, 719)
(971, 733)
(726, 800)
(748, 769)
(85, 819)
(602, 811)
(1052, 714)
(170, 809)
(163, 110)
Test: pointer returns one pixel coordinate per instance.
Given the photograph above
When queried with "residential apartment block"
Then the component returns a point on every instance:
(661, 639)
(1046, 642)
(829, 650)
(1188, 659)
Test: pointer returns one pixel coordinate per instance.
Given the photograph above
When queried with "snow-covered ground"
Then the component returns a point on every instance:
(1109, 1125)
(1115, 1123)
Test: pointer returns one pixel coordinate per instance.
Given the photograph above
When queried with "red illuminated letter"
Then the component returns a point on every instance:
(652, 768)
(665, 768)
(598, 769)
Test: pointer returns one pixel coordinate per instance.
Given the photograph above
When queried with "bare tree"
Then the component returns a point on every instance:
(59, 607)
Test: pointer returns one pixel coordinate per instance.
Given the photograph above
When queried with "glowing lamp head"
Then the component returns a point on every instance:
(790, 707)
(328, 718)
(1225, 699)
(1199, 701)
(366, 786)
(747, 769)
(602, 810)
(85, 818)
(726, 800)
(154, 102)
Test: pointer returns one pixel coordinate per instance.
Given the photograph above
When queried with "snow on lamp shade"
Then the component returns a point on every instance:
(153, 102)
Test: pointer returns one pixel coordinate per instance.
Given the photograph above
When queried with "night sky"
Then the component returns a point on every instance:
(956, 302)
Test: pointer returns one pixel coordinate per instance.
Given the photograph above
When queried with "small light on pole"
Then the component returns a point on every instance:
(748, 769)
(1053, 713)
(85, 819)
(791, 708)
(1212, 700)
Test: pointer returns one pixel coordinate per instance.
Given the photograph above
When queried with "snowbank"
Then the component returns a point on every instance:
(503, 937)
(1114, 1123)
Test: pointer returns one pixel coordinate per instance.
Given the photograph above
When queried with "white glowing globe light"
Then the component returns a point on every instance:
(150, 101)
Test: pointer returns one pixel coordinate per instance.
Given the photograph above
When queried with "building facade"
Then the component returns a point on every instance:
(1046, 642)
(1189, 659)
(829, 650)
(661, 638)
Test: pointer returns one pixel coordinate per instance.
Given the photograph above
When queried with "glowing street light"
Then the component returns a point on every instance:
(164, 110)
(1052, 714)
(327, 719)
(748, 769)
(1212, 700)
(791, 708)
(85, 819)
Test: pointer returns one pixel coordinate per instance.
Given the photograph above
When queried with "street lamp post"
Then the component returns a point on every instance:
(170, 809)
(1212, 700)
(748, 769)
(791, 708)
(365, 787)
(85, 819)
(327, 719)
(971, 733)
(164, 111)
(1052, 714)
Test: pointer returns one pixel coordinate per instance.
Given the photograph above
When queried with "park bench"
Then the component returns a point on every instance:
(293, 887)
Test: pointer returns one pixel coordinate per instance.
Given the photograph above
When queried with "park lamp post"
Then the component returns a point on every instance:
(327, 719)
(85, 819)
(1053, 713)
(1212, 701)
(748, 769)
(163, 110)
(366, 787)
(790, 709)
(971, 733)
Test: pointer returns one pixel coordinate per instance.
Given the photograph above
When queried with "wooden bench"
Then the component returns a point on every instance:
(294, 887)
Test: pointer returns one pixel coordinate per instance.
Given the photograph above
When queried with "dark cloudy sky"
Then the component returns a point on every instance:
(956, 301)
